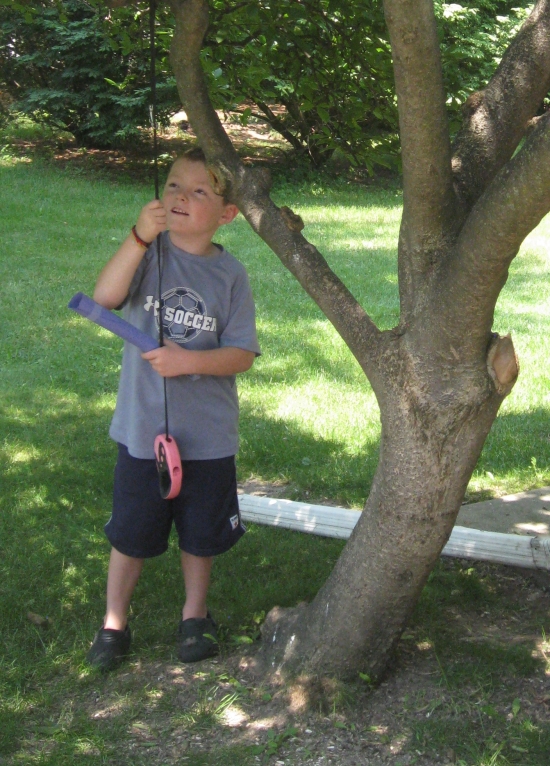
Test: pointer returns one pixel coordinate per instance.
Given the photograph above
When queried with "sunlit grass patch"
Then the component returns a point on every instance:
(544, 650)
(209, 710)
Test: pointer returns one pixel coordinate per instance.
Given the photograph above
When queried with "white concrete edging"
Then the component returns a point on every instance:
(464, 543)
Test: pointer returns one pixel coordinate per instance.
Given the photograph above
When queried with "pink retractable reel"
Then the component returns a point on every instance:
(169, 468)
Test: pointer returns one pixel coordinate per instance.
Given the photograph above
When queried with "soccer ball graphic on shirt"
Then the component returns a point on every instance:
(179, 307)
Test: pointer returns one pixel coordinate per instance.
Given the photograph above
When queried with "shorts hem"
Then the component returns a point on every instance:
(208, 552)
(133, 553)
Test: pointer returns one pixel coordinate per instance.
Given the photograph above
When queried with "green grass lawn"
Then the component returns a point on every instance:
(309, 417)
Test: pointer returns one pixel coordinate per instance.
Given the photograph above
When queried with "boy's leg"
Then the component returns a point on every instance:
(196, 574)
(197, 637)
(208, 523)
(111, 643)
(124, 572)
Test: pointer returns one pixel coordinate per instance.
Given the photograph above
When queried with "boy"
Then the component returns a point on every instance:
(207, 313)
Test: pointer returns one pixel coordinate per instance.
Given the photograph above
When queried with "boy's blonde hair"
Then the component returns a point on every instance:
(196, 154)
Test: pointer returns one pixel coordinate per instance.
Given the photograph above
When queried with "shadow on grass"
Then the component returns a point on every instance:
(56, 496)
(474, 593)
(493, 742)
(11, 728)
(488, 660)
(55, 500)
(57, 466)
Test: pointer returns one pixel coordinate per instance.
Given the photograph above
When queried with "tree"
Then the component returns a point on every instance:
(441, 374)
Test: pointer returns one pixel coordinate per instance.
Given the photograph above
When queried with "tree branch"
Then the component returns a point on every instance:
(428, 196)
(278, 125)
(427, 182)
(191, 17)
(512, 205)
(496, 119)
(249, 189)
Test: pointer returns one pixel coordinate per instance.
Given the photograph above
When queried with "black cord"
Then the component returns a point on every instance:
(153, 88)
(153, 116)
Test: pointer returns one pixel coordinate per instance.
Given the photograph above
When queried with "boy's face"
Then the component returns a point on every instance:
(193, 209)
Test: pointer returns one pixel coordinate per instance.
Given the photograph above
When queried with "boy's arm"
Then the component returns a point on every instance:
(171, 360)
(116, 276)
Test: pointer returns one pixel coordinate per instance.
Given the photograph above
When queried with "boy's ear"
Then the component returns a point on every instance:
(230, 211)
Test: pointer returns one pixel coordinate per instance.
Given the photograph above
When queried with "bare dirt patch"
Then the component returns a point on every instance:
(470, 682)
(263, 488)
(400, 721)
(254, 143)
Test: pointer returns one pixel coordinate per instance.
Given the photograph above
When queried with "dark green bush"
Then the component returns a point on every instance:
(319, 72)
(80, 69)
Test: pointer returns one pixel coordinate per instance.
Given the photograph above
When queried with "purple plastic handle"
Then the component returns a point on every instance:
(88, 308)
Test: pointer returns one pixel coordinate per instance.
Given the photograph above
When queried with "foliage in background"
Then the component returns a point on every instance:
(318, 71)
(474, 36)
(328, 65)
(81, 70)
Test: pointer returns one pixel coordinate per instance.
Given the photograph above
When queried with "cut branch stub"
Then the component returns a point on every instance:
(292, 219)
(223, 180)
(218, 180)
(502, 363)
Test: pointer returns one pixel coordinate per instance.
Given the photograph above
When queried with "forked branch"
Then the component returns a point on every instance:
(511, 206)
(497, 118)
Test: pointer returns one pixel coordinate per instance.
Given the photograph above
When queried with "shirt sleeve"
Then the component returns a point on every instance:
(144, 264)
(240, 331)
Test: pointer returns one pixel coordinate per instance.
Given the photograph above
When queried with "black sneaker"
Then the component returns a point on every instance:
(197, 639)
(109, 648)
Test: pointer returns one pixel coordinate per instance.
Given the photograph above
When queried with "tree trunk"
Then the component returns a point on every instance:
(440, 376)
(431, 441)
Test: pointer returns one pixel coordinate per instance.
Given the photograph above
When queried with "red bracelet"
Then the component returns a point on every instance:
(138, 239)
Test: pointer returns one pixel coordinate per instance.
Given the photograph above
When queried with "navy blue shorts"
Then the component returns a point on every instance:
(205, 513)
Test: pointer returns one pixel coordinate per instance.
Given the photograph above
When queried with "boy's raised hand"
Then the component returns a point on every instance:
(151, 220)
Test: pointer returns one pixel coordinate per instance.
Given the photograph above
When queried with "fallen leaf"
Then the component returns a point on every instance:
(37, 619)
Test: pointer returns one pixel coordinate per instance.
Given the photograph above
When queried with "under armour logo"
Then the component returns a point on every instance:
(150, 302)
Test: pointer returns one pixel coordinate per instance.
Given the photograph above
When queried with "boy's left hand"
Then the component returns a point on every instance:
(171, 360)
(168, 360)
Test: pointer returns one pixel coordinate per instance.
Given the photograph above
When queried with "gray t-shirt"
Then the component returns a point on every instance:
(206, 304)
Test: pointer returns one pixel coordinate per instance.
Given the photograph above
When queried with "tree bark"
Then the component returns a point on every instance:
(427, 455)
(511, 206)
(441, 375)
(428, 195)
(497, 118)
